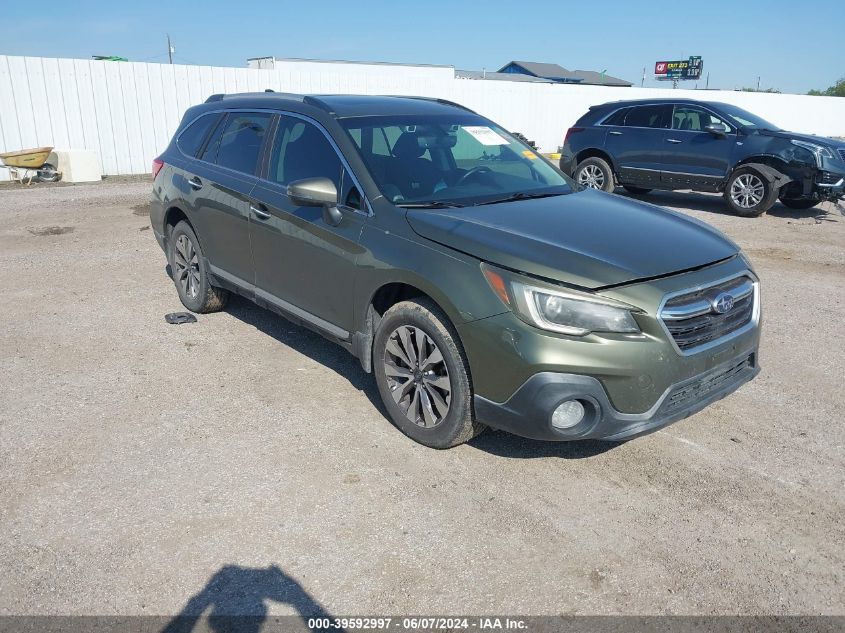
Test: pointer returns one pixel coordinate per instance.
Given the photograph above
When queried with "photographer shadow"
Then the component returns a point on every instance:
(238, 597)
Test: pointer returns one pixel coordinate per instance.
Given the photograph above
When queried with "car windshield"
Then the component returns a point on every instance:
(745, 119)
(450, 160)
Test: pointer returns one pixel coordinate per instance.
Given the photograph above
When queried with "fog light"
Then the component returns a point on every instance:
(568, 414)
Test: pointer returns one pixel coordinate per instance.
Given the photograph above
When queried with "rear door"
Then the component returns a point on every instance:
(636, 144)
(302, 264)
(187, 165)
(222, 193)
(694, 158)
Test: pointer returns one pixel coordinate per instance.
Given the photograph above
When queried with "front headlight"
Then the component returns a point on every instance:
(819, 151)
(560, 310)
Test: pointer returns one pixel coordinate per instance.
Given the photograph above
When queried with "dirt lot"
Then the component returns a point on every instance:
(242, 459)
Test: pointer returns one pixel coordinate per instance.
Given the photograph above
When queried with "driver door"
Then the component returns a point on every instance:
(693, 157)
(304, 265)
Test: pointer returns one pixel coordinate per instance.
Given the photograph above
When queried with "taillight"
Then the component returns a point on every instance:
(157, 165)
(570, 132)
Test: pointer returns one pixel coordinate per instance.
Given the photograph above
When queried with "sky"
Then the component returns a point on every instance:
(791, 45)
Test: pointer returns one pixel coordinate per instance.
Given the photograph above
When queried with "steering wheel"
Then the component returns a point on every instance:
(475, 171)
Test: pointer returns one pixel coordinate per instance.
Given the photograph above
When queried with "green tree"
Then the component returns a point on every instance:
(836, 90)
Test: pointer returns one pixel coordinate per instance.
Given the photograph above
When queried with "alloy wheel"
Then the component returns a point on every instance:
(186, 261)
(417, 376)
(591, 176)
(747, 191)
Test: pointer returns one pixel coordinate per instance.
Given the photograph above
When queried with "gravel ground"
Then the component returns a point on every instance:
(242, 459)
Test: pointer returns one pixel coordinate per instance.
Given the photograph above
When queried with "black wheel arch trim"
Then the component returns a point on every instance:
(594, 152)
(776, 178)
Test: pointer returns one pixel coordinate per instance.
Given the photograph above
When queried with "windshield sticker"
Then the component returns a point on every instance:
(485, 135)
(529, 154)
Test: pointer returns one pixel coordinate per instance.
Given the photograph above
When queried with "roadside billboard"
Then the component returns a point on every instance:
(679, 69)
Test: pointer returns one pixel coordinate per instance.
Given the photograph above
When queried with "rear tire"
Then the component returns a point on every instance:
(189, 272)
(423, 375)
(748, 193)
(636, 190)
(595, 173)
(799, 203)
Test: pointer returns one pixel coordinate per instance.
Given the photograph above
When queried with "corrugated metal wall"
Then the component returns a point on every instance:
(127, 111)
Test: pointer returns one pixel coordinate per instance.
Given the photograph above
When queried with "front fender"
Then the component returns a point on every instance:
(452, 279)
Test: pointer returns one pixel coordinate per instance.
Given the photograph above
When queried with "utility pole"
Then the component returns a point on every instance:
(758, 84)
(170, 49)
(707, 84)
(642, 83)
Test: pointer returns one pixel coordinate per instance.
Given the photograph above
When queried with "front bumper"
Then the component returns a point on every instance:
(528, 412)
(521, 373)
(831, 187)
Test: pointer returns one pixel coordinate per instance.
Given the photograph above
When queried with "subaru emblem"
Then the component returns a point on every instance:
(723, 303)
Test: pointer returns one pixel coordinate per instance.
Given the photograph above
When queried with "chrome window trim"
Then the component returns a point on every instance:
(368, 213)
(640, 127)
(753, 323)
(637, 127)
(732, 129)
(185, 129)
(296, 115)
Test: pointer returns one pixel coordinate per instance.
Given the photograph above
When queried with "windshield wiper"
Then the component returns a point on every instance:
(522, 195)
(434, 204)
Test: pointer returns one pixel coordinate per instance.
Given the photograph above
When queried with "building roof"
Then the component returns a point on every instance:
(595, 78)
(481, 74)
(555, 72)
(541, 69)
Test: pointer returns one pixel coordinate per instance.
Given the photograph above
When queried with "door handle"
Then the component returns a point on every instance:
(196, 183)
(615, 133)
(260, 213)
(673, 140)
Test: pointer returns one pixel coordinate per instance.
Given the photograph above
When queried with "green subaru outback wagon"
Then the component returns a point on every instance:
(475, 280)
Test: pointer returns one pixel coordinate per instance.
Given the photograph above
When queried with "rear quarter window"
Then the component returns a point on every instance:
(617, 118)
(192, 137)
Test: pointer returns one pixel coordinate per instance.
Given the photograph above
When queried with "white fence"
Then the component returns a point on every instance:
(127, 111)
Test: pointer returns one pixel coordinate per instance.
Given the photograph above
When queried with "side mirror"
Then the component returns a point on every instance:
(313, 192)
(717, 129)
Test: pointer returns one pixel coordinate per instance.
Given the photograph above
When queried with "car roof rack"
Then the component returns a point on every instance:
(270, 93)
(437, 100)
(255, 95)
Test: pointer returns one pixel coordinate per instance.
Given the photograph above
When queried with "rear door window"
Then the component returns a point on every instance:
(242, 139)
(654, 116)
(192, 138)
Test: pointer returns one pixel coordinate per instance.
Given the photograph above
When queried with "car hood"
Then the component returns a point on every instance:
(589, 239)
(809, 138)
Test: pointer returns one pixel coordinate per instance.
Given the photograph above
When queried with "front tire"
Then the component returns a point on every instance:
(748, 193)
(799, 203)
(423, 375)
(595, 173)
(189, 272)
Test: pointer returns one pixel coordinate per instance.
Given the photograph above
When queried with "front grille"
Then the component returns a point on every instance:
(702, 386)
(693, 319)
(829, 178)
(842, 154)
